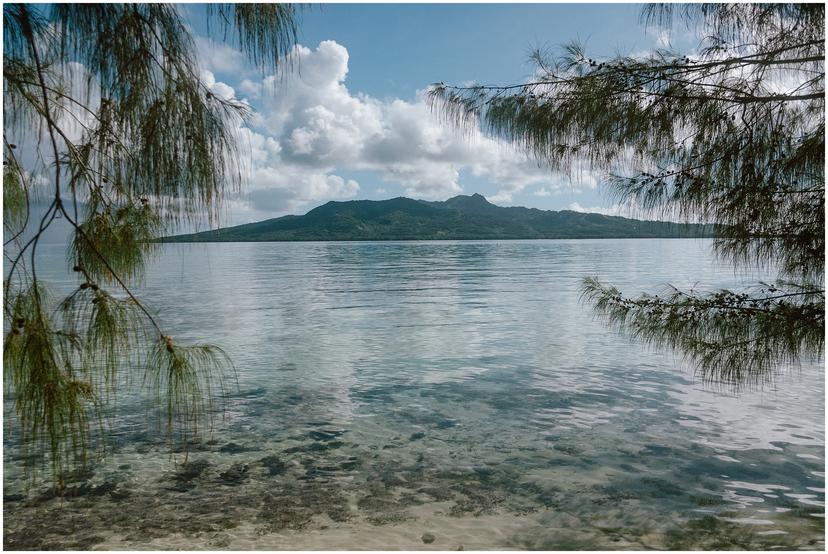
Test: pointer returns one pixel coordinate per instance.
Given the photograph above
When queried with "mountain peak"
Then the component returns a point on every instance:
(477, 197)
(474, 201)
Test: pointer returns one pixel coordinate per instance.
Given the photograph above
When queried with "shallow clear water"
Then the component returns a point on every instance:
(388, 391)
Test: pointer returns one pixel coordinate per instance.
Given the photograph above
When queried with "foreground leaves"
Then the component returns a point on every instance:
(732, 135)
(733, 338)
(122, 140)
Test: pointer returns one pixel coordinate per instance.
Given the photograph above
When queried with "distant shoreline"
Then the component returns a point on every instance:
(459, 218)
(167, 240)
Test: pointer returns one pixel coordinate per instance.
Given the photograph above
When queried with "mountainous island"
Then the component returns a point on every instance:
(459, 218)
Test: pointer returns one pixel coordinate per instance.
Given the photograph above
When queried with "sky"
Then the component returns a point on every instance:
(349, 119)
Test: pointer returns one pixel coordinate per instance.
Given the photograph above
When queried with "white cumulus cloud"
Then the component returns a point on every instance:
(630, 210)
(309, 127)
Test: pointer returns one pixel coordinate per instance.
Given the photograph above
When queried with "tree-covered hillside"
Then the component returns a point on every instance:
(458, 218)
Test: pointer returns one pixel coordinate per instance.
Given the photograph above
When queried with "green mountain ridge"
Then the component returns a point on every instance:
(458, 218)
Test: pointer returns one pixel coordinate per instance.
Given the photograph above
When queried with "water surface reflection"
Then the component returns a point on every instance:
(387, 390)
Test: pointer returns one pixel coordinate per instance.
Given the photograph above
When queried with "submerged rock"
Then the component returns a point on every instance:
(184, 486)
(416, 436)
(352, 462)
(236, 475)
(220, 540)
(86, 489)
(474, 501)
(294, 505)
(428, 538)
(446, 424)
(325, 434)
(274, 465)
(382, 502)
(120, 494)
(191, 446)
(191, 470)
(569, 449)
(82, 474)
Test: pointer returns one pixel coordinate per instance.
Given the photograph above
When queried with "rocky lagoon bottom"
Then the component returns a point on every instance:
(439, 396)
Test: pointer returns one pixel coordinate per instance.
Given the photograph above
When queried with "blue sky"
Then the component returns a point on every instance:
(351, 122)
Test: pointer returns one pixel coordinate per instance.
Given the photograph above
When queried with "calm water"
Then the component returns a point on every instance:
(391, 393)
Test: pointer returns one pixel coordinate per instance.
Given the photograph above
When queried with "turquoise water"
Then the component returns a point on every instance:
(393, 393)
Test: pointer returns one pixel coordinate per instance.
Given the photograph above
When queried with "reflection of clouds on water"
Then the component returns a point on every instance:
(754, 418)
(383, 385)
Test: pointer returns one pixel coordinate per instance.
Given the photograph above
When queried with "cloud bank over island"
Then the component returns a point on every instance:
(309, 132)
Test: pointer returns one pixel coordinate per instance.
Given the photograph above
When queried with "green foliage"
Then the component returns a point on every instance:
(115, 119)
(111, 244)
(184, 379)
(733, 337)
(52, 398)
(113, 331)
(458, 218)
(15, 200)
(265, 32)
(733, 135)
